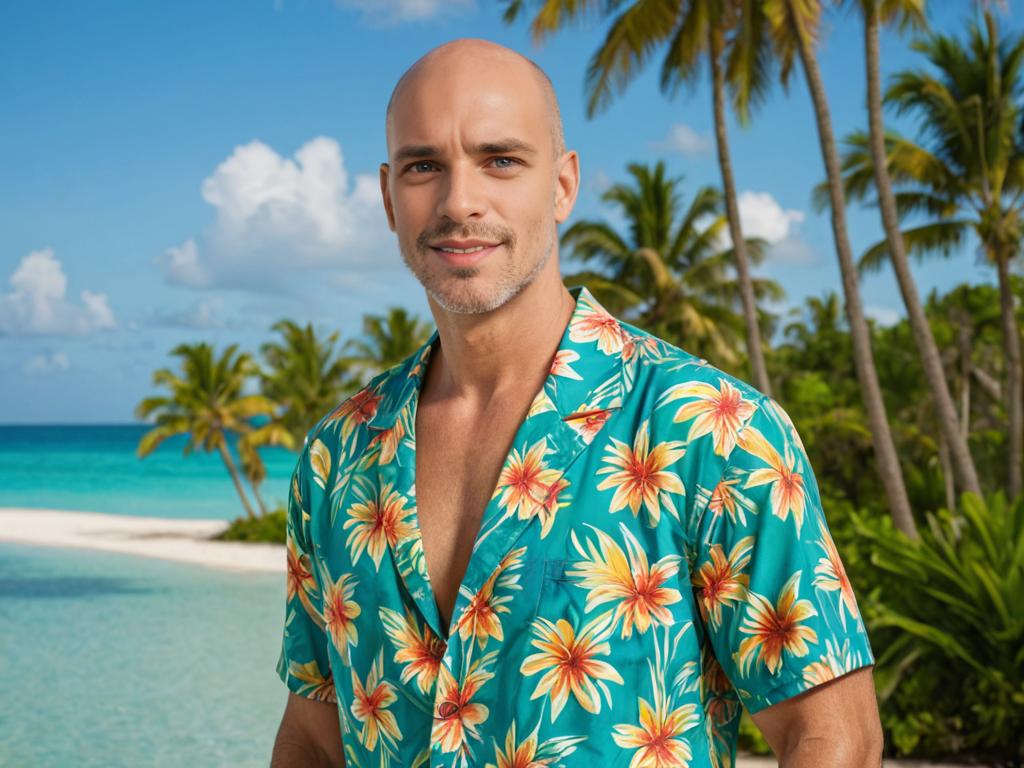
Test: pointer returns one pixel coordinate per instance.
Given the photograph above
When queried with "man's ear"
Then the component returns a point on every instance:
(386, 195)
(567, 185)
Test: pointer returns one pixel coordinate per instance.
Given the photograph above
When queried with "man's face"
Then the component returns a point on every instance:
(472, 167)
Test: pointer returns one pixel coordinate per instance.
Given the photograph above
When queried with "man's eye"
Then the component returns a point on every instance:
(511, 161)
(414, 166)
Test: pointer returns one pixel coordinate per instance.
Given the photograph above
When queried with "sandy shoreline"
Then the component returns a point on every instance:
(185, 541)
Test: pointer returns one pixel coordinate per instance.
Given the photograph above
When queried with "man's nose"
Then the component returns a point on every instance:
(463, 195)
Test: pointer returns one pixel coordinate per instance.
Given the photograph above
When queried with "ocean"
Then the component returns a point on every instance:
(119, 660)
(93, 468)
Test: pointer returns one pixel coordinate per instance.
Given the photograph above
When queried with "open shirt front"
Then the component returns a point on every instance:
(654, 555)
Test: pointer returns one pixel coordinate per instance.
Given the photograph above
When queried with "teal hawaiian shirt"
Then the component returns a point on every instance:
(654, 556)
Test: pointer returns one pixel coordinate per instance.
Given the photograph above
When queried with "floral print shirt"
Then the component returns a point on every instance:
(654, 557)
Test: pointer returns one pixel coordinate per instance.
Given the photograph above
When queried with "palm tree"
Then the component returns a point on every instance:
(694, 30)
(792, 27)
(387, 340)
(906, 13)
(670, 273)
(206, 404)
(966, 173)
(303, 375)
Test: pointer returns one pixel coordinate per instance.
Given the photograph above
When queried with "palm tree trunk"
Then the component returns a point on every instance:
(233, 471)
(732, 212)
(256, 493)
(947, 473)
(955, 442)
(1014, 380)
(885, 450)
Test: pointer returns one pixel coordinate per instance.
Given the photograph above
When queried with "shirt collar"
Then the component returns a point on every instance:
(587, 375)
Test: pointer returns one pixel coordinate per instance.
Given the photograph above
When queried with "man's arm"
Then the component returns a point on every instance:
(309, 735)
(833, 725)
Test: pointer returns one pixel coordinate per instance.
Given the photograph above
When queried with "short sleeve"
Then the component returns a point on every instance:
(773, 594)
(303, 663)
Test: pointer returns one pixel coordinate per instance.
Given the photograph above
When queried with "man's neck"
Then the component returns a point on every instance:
(489, 358)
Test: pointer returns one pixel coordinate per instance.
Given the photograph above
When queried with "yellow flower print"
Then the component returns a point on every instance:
(638, 589)
(314, 685)
(721, 581)
(776, 629)
(787, 485)
(419, 651)
(369, 706)
(379, 519)
(569, 662)
(831, 575)
(639, 475)
(340, 611)
(456, 715)
(717, 412)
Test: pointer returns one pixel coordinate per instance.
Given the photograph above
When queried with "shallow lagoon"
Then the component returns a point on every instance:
(117, 660)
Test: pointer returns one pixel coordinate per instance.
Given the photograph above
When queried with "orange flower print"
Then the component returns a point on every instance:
(637, 589)
(831, 575)
(388, 440)
(456, 715)
(787, 484)
(314, 685)
(553, 501)
(358, 409)
(419, 651)
(776, 629)
(528, 753)
(588, 422)
(369, 706)
(717, 412)
(524, 481)
(591, 323)
(568, 661)
(378, 520)
(657, 740)
(480, 618)
(835, 662)
(561, 364)
(300, 581)
(721, 581)
(340, 611)
(639, 475)
(727, 499)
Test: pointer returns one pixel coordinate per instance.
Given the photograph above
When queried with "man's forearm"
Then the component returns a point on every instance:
(825, 752)
(295, 753)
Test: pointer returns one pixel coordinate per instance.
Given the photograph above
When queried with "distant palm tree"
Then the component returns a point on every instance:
(909, 13)
(387, 340)
(303, 375)
(206, 404)
(792, 27)
(670, 272)
(692, 31)
(965, 173)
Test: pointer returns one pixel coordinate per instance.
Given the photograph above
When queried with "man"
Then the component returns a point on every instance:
(549, 537)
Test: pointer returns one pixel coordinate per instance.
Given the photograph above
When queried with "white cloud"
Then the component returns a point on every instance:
(274, 215)
(391, 12)
(762, 216)
(685, 140)
(38, 304)
(47, 363)
(599, 181)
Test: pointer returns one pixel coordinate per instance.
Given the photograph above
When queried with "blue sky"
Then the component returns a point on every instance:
(187, 171)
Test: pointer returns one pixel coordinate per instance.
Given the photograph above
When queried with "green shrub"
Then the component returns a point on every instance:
(946, 616)
(265, 528)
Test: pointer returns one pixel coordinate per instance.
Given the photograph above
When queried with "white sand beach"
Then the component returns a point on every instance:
(186, 541)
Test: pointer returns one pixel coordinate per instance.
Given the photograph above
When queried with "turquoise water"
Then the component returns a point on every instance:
(116, 660)
(94, 468)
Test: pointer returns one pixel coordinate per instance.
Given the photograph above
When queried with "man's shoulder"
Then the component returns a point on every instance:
(669, 366)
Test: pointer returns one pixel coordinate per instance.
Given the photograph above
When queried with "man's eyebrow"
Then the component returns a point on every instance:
(502, 146)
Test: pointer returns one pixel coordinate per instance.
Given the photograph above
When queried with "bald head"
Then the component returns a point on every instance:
(473, 53)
